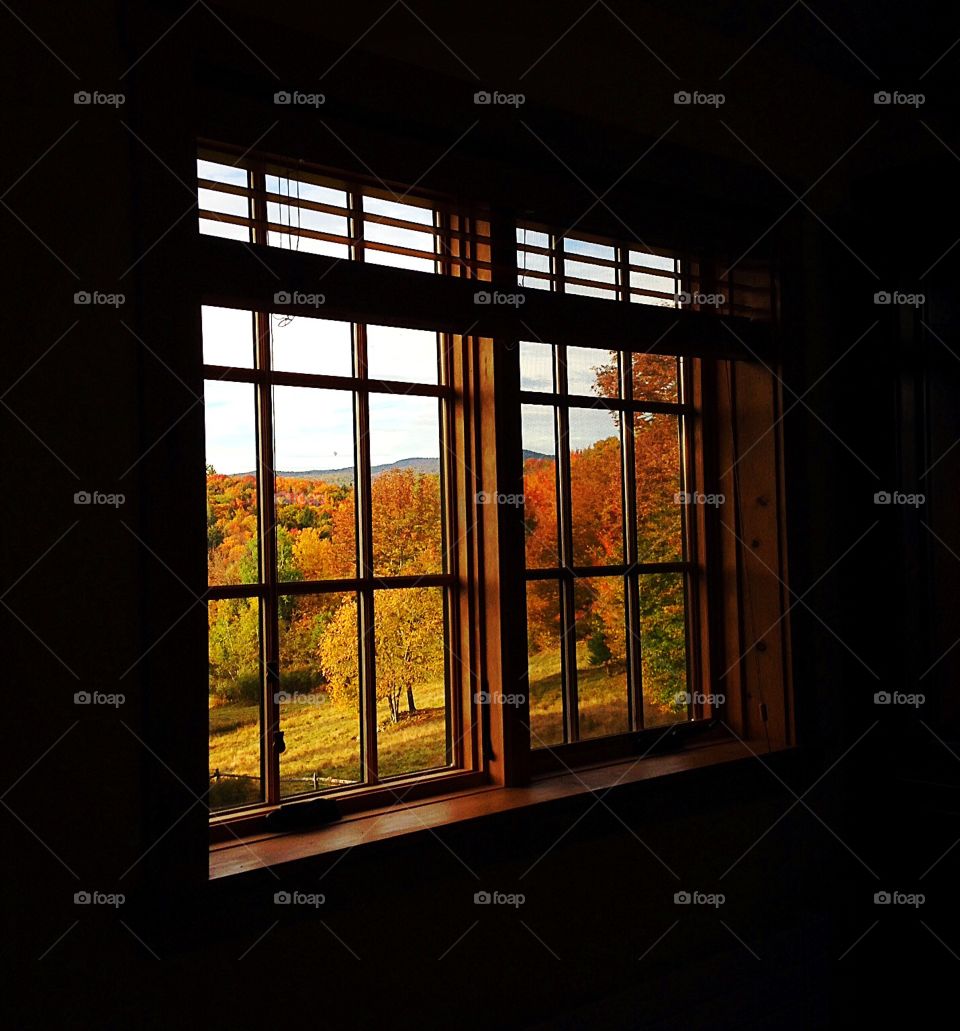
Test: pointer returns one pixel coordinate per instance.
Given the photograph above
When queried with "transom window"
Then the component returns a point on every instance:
(332, 645)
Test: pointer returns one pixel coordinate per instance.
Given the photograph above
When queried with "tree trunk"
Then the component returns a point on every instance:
(394, 708)
(411, 705)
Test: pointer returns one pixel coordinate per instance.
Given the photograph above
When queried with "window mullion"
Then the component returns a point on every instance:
(631, 552)
(571, 708)
(364, 529)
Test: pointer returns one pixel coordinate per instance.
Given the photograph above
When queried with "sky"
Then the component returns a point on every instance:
(313, 427)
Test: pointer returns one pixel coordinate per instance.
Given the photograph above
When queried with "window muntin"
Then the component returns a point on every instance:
(332, 645)
(257, 200)
(606, 269)
(604, 473)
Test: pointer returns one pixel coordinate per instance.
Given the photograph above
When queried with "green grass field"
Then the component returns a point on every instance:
(322, 738)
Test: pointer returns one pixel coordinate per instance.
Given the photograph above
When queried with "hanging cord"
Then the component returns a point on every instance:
(738, 514)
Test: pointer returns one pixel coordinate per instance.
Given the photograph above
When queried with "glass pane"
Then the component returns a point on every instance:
(655, 377)
(292, 241)
(306, 218)
(544, 670)
(319, 698)
(411, 680)
(313, 434)
(220, 173)
(536, 367)
(595, 487)
(397, 236)
(231, 455)
(663, 646)
(410, 355)
(227, 230)
(226, 203)
(668, 285)
(593, 372)
(317, 346)
(228, 336)
(235, 702)
(299, 190)
(405, 489)
(659, 498)
(601, 657)
(539, 486)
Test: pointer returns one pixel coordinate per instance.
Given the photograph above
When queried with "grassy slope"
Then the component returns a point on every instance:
(323, 738)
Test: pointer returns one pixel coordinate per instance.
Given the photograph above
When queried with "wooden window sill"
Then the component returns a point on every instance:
(250, 854)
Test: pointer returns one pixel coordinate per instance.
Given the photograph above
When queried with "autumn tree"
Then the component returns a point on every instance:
(408, 644)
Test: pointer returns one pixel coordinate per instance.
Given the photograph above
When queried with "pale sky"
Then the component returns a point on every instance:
(313, 427)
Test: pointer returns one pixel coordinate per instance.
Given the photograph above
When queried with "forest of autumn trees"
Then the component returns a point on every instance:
(316, 540)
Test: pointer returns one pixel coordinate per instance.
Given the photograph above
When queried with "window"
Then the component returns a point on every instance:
(415, 505)
(607, 569)
(332, 627)
(257, 200)
(602, 268)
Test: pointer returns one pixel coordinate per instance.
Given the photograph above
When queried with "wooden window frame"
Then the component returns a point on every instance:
(484, 409)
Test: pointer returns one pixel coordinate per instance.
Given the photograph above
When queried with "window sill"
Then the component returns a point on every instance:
(257, 852)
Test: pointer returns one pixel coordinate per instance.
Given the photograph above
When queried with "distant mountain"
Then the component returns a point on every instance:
(418, 465)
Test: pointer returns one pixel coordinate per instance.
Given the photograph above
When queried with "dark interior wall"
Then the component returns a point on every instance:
(99, 599)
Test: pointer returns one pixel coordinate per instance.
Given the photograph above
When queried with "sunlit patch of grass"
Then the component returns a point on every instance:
(323, 738)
